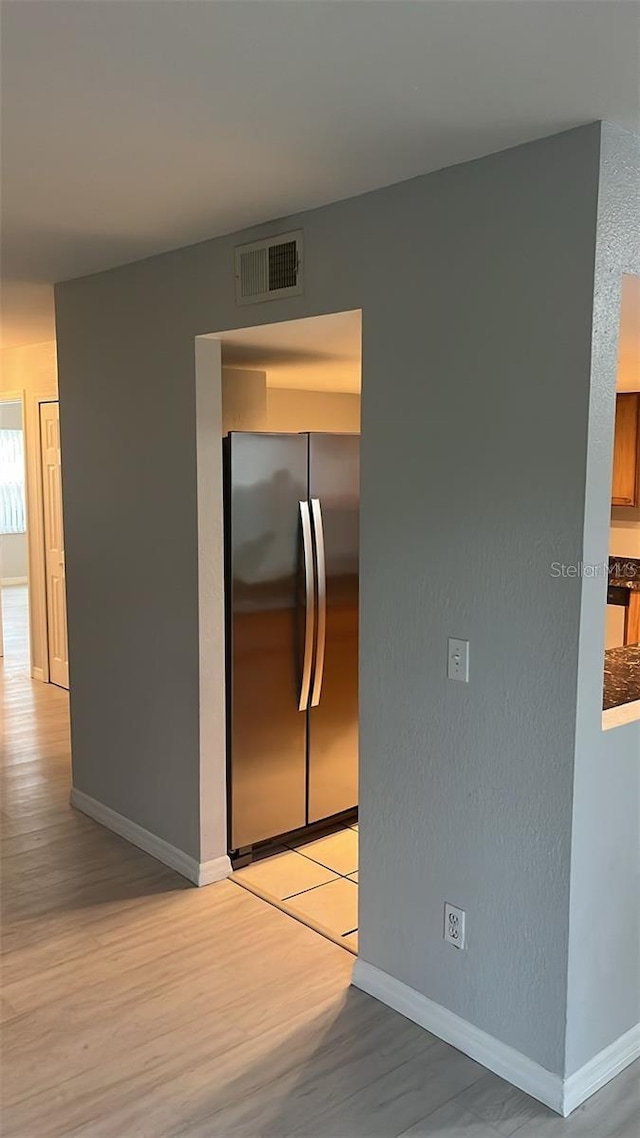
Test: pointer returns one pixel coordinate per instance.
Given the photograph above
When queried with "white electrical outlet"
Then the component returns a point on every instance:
(454, 925)
(458, 661)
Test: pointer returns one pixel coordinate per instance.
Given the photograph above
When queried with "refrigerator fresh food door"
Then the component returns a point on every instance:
(267, 582)
(334, 491)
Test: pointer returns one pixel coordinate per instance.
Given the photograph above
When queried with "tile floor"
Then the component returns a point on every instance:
(316, 882)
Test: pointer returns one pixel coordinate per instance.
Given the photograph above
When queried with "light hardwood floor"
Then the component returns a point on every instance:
(136, 1006)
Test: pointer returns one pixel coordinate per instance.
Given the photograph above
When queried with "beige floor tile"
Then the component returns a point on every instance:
(284, 874)
(334, 906)
(353, 876)
(337, 851)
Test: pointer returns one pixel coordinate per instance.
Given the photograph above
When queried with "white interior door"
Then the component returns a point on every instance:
(54, 544)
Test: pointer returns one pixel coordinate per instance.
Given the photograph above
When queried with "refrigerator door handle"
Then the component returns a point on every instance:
(321, 569)
(309, 618)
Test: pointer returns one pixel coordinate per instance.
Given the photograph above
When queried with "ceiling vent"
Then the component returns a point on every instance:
(268, 270)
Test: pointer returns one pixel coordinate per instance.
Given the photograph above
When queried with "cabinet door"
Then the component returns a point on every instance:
(626, 451)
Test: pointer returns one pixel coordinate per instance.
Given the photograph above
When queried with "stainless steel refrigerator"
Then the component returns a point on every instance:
(291, 544)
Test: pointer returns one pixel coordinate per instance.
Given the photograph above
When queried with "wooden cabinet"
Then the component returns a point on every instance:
(626, 450)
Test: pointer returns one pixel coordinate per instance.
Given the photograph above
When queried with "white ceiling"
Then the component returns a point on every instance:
(321, 353)
(133, 127)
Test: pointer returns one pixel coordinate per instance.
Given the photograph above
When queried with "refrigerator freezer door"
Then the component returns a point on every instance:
(334, 480)
(267, 479)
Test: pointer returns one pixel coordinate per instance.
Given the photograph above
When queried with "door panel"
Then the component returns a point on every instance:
(266, 480)
(54, 544)
(334, 479)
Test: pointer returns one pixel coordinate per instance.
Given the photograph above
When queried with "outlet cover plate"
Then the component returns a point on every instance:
(454, 925)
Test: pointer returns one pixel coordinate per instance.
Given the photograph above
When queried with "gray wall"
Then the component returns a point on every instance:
(604, 950)
(476, 289)
(467, 794)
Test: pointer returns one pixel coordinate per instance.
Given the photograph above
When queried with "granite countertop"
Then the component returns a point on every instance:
(624, 573)
(621, 676)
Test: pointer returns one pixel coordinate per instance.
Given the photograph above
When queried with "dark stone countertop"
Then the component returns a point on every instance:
(624, 573)
(621, 676)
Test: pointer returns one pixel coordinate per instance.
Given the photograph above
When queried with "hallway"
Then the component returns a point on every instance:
(136, 1006)
(15, 615)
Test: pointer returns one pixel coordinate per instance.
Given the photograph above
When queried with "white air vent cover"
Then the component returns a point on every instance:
(267, 270)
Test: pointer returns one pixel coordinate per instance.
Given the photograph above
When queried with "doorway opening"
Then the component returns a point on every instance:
(290, 426)
(33, 633)
(14, 560)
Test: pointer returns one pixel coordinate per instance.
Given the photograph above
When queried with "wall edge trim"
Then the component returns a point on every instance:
(601, 1068)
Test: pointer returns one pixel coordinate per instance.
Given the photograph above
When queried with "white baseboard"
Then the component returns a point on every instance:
(37, 674)
(199, 872)
(6, 582)
(601, 1069)
(561, 1095)
(485, 1049)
